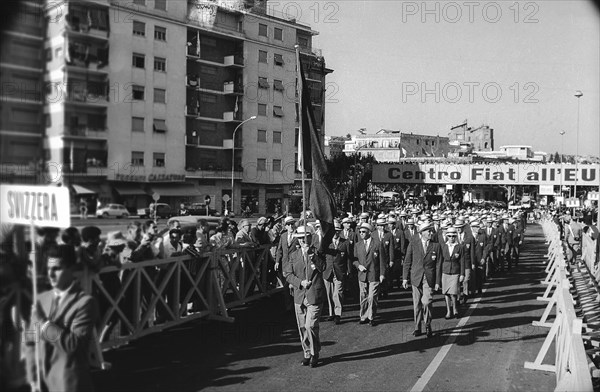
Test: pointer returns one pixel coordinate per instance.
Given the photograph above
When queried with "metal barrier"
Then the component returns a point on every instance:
(571, 362)
(147, 297)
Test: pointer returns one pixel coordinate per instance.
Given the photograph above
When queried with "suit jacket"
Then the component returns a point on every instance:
(371, 259)
(419, 264)
(65, 342)
(294, 272)
(481, 247)
(338, 260)
(468, 250)
(284, 249)
(451, 263)
(399, 245)
(351, 237)
(386, 247)
(508, 236)
(573, 233)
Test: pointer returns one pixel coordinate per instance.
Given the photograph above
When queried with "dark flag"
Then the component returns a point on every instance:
(321, 200)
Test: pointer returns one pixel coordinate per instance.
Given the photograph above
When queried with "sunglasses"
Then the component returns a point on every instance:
(363, 231)
(451, 235)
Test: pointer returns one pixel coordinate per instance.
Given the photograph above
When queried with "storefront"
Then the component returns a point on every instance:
(131, 195)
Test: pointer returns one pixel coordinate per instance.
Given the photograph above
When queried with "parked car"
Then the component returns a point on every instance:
(162, 211)
(189, 222)
(200, 209)
(112, 210)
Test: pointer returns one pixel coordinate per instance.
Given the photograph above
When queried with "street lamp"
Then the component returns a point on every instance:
(578, 94)
(233, 157)
(562, 151)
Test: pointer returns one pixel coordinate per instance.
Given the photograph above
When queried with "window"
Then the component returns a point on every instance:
(426, 142)
(139, 60)
(485, 145)
(433, 142)
(276, 137)
(261, 164)
(139, 28)
(160, 5)
(262, 56)
(417, 141)
(137, 124)
(49, 54)
(137, 158)
(160, 33)
(276, 165)
(159, 95)
(207, 98)
(262, 109)
(58, 53)
(160, 64)
(159, 159)
(277, 111)
(160, 126)
(278, 59)
(278, 34)
(296, 136)
(303, 42)
(138, 93)
(262, 136)
(263, 83)
(139, 2)
(278, 85)
(262, 30)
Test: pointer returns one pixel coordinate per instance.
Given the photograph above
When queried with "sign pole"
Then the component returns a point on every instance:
(32, 257)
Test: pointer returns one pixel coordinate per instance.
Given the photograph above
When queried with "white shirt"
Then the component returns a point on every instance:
(451, 247)
(367, 242)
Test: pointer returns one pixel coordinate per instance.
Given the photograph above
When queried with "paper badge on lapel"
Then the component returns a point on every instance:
(433, 256)
(468, 246)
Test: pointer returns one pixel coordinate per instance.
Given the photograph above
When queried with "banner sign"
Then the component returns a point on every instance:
(547, 190)
(44, 206)
(492, 174)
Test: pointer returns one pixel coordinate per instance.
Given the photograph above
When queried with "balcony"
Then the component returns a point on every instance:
(86, 132)
(90, 57)
(234, 61)
(231, 116)
(90, 22)
(311, 51)
(87, 97)
(233, 88)
(214, 173)
(194, 141)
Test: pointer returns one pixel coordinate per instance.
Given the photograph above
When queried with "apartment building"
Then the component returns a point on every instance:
(152, 93)
(21, 100)
(391, 146)
(480, 138)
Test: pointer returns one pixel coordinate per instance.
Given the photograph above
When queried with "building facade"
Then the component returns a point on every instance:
(480, 138)
(391, 146)
(334, 146)
(154, 91)
(22, 103)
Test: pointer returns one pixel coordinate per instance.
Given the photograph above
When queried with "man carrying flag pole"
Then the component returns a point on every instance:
(304, 271)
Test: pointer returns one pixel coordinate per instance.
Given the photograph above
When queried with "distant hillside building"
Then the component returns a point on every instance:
(390, 146)
(334, 146)
(481, 138)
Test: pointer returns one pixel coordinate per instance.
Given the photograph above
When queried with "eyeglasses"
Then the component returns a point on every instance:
(363, 231)
(451, 235)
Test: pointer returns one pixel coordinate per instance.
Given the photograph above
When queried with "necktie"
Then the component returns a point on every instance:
(54, 307)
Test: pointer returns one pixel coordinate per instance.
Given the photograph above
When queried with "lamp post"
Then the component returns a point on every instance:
(233, 158)
(562, 169)
(578, 94)
(354, 175)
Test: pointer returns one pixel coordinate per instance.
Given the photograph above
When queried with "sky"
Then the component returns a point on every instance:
(425, 66)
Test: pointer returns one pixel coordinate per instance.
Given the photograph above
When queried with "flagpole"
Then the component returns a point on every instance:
(300, 89)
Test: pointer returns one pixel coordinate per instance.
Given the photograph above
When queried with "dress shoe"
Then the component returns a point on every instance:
(456, 316)
(314, 361)
(330, 318)
(417, 332)
(306, 361)
(373, 323)
(362, 322)
(448, 317)
(428, 332)
(337, 320)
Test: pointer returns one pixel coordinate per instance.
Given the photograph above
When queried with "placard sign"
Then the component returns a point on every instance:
(44, 206)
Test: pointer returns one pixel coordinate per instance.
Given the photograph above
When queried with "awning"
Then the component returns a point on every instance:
(278, 85)
(83, 190)
(176, 190)
(129, 190)
(160, 126)
(277, 111)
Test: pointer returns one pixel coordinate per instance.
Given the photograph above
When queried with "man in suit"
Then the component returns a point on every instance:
(420, 265)
(386, 247)
(399, 246)
(66, 318)
(480, 256)
(338, 265)
(304, 271)
(490, 234)
(287, 244)
(507, 233)
(371, 267)
(467, 243)
(573, 239)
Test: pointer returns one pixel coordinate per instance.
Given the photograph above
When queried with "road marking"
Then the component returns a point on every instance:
(437, 361)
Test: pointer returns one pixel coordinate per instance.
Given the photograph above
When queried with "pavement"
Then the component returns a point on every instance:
(483, 351)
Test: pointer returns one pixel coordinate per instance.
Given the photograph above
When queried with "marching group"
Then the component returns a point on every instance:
(449, 250)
